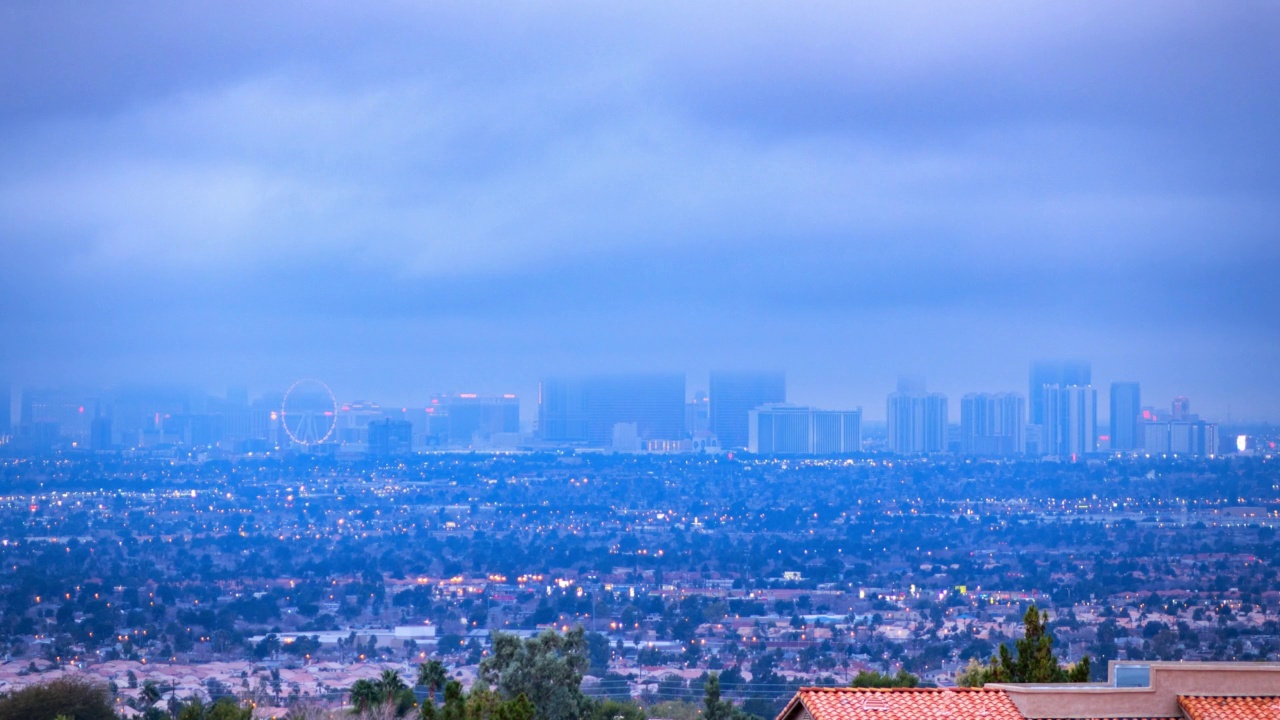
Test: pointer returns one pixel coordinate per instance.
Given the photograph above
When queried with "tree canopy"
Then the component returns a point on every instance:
(873, 679)
(69, 696)
(547, 670)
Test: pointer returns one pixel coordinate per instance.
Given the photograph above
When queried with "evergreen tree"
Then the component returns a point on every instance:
(455, 705)
(547, 670)
(518, 709)
(714, 707)
(482, 703)
(1034, 662)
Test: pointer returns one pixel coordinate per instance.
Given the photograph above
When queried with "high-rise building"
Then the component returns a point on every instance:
(992, 424)
(936, 423)
(6, 411)
(233, 413)
(70, 410)
(1126, 414)
(1155, 438)
(149, 415)
(779, 429)
(354, 417)
(1155, 414)
(782, 429)
(264, 419)
(100, 434)
(472, 418)
(1181, 408)
(735, 394)
(1180, 432)
(697, 414)
(626, 438)
(1070, 420)
(1062, 373)
(390, 437)
(837, 432)
(917, 421)
(586, 409)
(1180, 437)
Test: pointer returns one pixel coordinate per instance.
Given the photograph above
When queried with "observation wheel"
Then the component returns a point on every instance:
(309, 412)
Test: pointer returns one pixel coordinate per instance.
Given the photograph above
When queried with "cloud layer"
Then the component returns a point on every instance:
(408, 198)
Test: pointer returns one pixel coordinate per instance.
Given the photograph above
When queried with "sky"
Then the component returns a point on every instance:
(405, 198)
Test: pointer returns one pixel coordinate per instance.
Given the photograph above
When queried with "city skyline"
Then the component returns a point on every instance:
(531, 410)
(562, 360)
(695, 385)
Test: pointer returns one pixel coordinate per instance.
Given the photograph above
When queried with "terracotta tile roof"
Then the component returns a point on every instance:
(904, 704)
(1230, 708)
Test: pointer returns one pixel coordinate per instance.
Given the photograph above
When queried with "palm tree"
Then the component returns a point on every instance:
(150, 692)
(364, 693)
(432, 674)
(390, 684)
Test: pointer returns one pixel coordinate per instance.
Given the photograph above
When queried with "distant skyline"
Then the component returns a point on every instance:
(874, 408)
(405, 200)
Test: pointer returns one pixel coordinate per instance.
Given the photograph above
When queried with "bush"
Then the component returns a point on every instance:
(70, 696)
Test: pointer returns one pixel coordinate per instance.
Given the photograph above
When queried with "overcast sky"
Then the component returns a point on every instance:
(404, 198)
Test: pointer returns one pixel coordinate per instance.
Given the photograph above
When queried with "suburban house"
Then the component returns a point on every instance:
(1133, 691)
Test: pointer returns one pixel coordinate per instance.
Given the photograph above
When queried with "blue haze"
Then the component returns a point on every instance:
(405, 198)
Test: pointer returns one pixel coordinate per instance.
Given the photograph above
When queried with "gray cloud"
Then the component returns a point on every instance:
(409, 198)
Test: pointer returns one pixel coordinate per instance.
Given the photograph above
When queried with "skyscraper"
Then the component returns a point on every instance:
(71, 410)
(697, 414)
(733, 395)
(992, 424)
(1181, 408)
(1063, 373)
(390, 437)
(467, 418)
(1070, 420)
(917, 421)
(779, 429)
(100, 434)
(585, 409)
(782, 429)
(1126, 413)
(837, 432)
(6, 416)
(1180, 437)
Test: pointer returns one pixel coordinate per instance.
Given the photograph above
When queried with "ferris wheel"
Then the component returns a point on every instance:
(309, 412)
